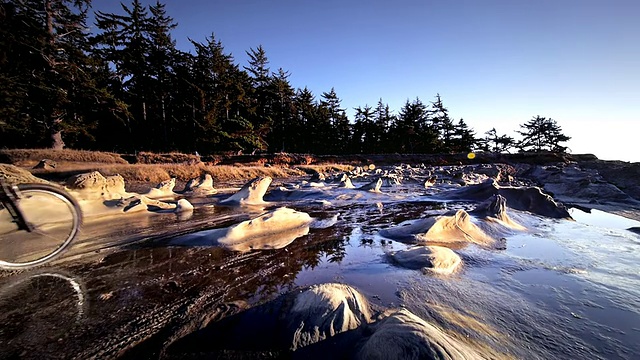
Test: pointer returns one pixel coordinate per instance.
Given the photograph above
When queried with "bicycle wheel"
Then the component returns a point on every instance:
(55, 217)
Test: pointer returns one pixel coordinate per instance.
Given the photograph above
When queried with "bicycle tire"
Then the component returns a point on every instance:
(57, 218)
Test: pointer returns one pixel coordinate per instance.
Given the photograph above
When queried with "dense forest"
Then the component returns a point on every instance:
(126, 87)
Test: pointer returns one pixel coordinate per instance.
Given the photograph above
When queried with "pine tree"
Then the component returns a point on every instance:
(463, 139)
(496, 143)
(383, 121)
(49, 87)
(283, 127)
(309, 135)
(542, 134)
(443, 124)
(339, 131)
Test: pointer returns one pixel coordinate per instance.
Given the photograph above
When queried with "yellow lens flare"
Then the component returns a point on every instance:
(471, 156)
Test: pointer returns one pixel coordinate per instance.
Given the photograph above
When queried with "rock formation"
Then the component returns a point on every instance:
(251, 193)
(437, 259)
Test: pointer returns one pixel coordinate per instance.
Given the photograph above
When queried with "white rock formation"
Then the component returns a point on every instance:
(251, 193)
(437, 259)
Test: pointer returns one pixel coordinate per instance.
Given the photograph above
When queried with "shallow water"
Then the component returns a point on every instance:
(563, 289)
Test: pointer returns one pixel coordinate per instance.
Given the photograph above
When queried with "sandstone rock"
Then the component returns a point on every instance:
(201, 186)
(325, 310)
(403, 335)
(46, 164)
(436, 259)
(252, 193)
(372, 186)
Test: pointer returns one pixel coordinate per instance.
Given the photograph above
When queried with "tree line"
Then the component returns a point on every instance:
(126, 87)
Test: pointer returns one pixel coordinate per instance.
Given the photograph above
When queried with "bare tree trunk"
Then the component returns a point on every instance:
(56, 135)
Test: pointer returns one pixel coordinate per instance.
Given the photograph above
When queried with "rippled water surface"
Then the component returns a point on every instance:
(562, 289)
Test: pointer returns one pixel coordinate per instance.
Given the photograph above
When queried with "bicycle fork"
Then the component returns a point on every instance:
(10, 201)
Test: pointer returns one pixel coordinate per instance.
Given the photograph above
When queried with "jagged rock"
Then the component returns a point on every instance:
(373, 186)
(251, 193)
(93, 186)
(345, 182)
(530, 199)
(317, 177)
(495, 208)
(436, 259)
(201, 186)
(163, 189)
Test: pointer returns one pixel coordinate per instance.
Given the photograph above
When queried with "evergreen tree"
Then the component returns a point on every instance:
(309, 136)
(283, 120)
(496, 143)
(364, 131)
(542, 134)
(443, 124)
(463, 139)
(383, 120)
(339, 132)
(123, 42)
(263, 97)
(47, 76)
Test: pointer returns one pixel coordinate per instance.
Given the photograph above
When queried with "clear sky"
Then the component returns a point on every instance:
(496, 63)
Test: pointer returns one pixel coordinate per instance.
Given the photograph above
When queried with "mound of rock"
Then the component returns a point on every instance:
(94, 186)
(274, 229)
(14, 175)
(435, 259)
(163, 190)
(403, 335)
(457, 228)
(325, 310)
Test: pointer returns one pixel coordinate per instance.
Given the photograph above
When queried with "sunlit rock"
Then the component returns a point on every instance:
(441, 229)
(431, 180)
(435, 259)
(251, 193)
(345, 182)
(183, 205)
(94, 186)
(325, 310)
(162, 190)
(260, 232)
(373, 186)
(15, 175)
(274, 229)
(403, 335)
(202, 185)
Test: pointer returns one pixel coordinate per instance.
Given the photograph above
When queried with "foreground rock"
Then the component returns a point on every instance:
(403, 335)
(325, 310)
(457, 228)
(436, 259)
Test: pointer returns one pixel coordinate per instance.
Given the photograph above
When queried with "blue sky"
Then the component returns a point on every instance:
(496, 63)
